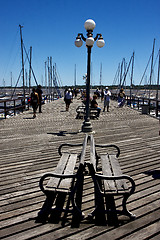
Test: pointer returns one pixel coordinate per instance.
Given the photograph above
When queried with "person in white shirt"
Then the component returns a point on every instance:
(107, 95)
(68, 98)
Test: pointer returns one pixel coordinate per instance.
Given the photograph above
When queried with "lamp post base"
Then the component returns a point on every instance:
(87, 126)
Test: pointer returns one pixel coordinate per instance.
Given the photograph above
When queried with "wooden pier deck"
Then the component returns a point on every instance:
(28, 149)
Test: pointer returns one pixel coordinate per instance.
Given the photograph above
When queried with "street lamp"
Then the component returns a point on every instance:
(89, 26)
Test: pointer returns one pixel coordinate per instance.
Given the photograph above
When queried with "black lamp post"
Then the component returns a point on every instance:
(89, 26)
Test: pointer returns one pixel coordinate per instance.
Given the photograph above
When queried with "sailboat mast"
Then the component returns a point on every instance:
(22, 61)
(26, 77)
(51, 78)
(46, 76)
(157, 96)
(150, 79)
(11, 79)
(131, 78)
(101, 76)
(30, 68)
(121, 71)
(158, 76)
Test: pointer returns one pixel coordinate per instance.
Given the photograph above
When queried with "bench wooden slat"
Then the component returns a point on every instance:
(121, 184)
(109, 185)
(65, 183)
(54, 182)
(92, 152)
(84, 149)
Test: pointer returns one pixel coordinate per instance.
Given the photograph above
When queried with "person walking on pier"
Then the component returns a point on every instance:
(121, 98)
(107, 95)
(68, 98)
(40, 92)
(34, 101)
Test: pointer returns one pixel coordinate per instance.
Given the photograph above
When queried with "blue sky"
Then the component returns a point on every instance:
(51, 26)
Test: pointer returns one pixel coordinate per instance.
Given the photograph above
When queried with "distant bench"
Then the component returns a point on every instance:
(108, 184)
(81, 112)
(65, 180)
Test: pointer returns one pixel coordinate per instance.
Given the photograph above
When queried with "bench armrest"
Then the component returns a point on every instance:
(67, 144)
(84, 144)
(111, 145)
(133, 186)
(62, 176)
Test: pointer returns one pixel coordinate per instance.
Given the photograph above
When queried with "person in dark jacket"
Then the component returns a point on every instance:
(94, 104)
(39, 91)
(121, 98)
(34, 101)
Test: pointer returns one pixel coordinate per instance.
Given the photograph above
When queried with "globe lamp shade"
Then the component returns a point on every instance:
(89, 24)
(78, 42)
(100, 43)
(89, 42)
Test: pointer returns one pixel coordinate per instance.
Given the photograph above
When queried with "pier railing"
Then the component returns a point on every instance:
(20, 104)
(139, 102)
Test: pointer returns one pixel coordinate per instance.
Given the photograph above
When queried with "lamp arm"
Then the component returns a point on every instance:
(98, 35)
(81, 34)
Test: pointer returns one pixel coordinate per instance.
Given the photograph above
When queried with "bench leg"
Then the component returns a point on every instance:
(99, 211)
(125, 211)
(57, 211)
(111, 211)
(77, 202)
(66, 211)
(46, 208)
(100, 218)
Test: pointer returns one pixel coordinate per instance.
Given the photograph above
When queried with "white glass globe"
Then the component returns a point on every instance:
(89, 24)
(100, 43)
(89, 41)
(78, 42)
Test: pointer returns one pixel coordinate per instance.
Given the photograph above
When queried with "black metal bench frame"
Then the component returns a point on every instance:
(81, 112)
(110, 183)
(62, 182)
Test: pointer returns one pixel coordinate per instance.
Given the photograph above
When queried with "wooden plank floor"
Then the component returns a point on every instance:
(28, 148)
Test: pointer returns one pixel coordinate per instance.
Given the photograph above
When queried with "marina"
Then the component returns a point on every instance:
(12, 106)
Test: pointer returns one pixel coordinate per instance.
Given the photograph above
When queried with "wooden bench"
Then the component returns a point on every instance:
(64, 186)
(108, 184)
(81, 112)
